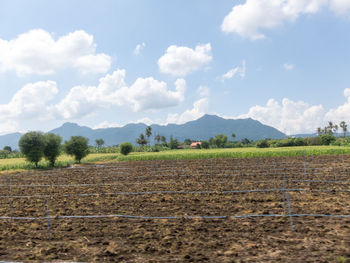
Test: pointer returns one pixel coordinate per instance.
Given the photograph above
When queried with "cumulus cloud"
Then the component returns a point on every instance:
(200, 107)
(341, 113)
(37, 52)
(289, 117)
(144, 94)
(138, 48)
(38, 101)
(9, 126)
(254, 16)
(181, 61)
(30, 101)
(232, 72)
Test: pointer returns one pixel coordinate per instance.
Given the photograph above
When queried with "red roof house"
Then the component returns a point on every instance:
(194, 144)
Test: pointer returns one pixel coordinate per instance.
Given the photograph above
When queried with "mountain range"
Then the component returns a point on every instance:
(200, 129)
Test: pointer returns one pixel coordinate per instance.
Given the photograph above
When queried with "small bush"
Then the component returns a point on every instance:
(327, 139)
(125, 148)
(205, 145)
(262, 144)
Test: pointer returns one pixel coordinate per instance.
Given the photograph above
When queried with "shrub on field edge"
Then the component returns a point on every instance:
(205, 145)
(52, 147)
(125, 148)
(263, 144)
(32, 145)
(326, 139)
(77, 146)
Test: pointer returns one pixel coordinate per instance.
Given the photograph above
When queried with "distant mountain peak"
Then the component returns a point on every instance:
(209, 117)
(70, 124)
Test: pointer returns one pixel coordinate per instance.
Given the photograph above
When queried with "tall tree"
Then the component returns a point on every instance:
(99, 143)
(319, 131)
(148, 132)
(331, 128)
(157, 138)
(173, 143)
(344, 127)
(141, 140)
(163, 140)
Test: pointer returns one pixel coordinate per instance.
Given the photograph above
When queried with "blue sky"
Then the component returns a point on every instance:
(108, 63)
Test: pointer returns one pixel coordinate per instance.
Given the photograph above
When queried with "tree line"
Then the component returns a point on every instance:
(36, 145)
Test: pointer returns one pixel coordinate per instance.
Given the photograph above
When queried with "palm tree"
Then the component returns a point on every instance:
(141, 140)
(157, 138)
(148, 132)
(344, 127)
(99, 143)
(319, 131)
(163, 140)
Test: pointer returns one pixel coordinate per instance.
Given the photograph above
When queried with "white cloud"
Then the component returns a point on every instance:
(181, 61)
(9, 126)
(254, 16)
(35, 100)
(340, 7)
(138, 48)
(37, 52)
(288, 67)
(148, 93)
(347, 92)
(200, 107)
(106, 124)
(232, 72)
(145, 120)
(341, 113)
(290, 117)
(30, 101)
(144, 94)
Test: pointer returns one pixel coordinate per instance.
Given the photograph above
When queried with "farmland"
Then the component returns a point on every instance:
(189, 154)
(219, 210)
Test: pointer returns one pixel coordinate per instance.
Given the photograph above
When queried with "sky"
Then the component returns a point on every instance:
(107, 63)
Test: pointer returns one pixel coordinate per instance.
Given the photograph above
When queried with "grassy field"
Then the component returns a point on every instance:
(63, 160)
(236, 153)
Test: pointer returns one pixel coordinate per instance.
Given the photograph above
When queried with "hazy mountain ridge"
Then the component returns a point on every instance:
(200, 129)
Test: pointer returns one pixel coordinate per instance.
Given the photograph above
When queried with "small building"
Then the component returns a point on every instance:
(194, 144)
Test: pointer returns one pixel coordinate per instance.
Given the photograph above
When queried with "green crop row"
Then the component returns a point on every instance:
(236, 153)
(64, 160)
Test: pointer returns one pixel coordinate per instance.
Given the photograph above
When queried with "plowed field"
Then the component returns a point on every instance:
(218, 210)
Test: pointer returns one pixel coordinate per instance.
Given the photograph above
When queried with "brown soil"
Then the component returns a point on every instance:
(314, 186)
